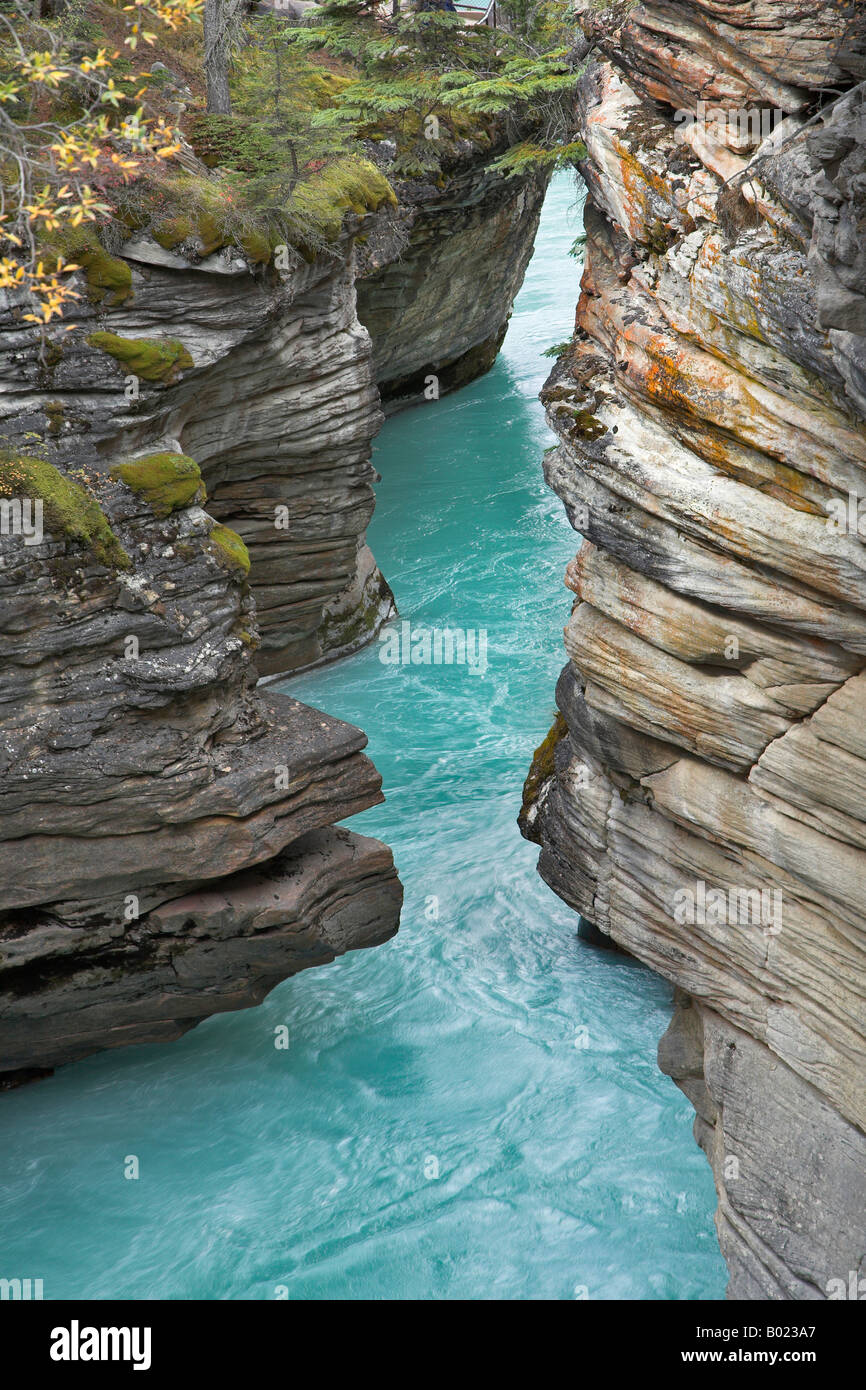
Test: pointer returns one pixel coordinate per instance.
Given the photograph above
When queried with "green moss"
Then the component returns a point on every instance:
(210, 232)
(172, 232)
(108, 279)
(543, 765)
(256, 246)
(319, 204)
(52, 356)
(166, 481)
(152, 359)
(587, 425)
(68, 510)
(230, 550)
(235, 144)
(660, 237)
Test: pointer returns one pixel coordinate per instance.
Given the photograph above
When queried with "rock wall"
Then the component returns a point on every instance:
(441, 308)
(167, 837)
(167, 848)
(167, 832)
(279, 405)
(703, 805)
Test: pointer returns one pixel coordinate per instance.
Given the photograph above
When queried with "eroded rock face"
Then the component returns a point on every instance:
(705, 805)
(279, 402)
(166, 849)
(279, 408)
(441, 309)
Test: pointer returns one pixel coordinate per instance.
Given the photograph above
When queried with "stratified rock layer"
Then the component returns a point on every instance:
(166, 849)
(164, 843)
(438, 313)
(704, 804)
(279, 408)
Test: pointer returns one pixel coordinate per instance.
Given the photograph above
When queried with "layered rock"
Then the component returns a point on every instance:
(703, 806)
(441, 309)
(277, 396)
(275, 400)
(165, 830)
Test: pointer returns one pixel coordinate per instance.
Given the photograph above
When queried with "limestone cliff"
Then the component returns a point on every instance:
(704, 803)
(166, 833)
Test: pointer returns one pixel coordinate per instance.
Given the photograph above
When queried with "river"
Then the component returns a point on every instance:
(474, 1109)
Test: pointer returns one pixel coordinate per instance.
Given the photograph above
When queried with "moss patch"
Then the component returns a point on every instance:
(256, 247)
(152, 359)
(587, 425)
(166, 481)
(172, 232)
(542, 766)
(108, 279)
(318, 205)
(660, 237)
(55, 412)
(230, 550)
(68, 510)
(210, 232)
(235, 144)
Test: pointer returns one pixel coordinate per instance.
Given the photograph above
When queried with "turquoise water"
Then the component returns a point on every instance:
(473, 1110)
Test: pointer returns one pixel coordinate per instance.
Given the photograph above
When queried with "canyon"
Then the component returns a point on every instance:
(709, 413)
(169, 819)
(167, 829)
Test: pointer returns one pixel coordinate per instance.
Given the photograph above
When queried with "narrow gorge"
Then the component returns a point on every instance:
(288, 490)
(203, 452)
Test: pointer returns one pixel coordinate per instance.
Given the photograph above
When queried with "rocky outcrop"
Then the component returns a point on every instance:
(438, 313)
(275, 401)
(703, 806)
(165, 830)
(276, 398)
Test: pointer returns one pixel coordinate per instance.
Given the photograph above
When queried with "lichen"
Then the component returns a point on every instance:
(230, 550)
(68, 510)
(152, 359)
(166, 481)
